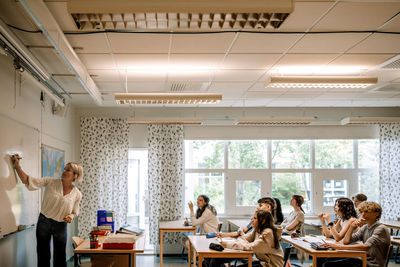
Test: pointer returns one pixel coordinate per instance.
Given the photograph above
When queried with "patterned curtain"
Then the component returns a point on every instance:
(104, 156)
(389, 171)
(165, 178)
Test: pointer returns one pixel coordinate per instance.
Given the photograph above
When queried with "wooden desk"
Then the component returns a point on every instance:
(298, 243)
(174, 226)
(84, 248)
(200, 245)
(237, 223)
(394, 242)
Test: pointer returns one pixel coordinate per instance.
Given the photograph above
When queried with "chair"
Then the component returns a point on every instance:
(76, 241)
(388, 255)
(219, 227)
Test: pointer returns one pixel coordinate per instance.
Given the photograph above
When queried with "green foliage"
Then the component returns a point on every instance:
(290, 154)
(247, 154)
(334, 154)
(248, 192)
(211, 185)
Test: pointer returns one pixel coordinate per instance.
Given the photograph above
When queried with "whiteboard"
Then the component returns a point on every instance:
(19, 206)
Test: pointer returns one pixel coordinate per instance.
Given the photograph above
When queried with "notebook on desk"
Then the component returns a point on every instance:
(129, 229)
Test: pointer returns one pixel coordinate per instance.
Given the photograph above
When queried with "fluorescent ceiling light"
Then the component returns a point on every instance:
(167, 98)
(369, 120)
(318, 70)
(178, 14)
(276, 121)
(165, 120)
(320, 82)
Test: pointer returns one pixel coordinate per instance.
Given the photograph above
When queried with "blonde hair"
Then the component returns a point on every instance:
(78, 170)
(367, 206)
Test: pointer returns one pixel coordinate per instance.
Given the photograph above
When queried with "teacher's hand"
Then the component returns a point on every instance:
(15, 160)
(68, 218)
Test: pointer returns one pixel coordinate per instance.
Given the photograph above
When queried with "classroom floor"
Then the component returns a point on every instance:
(151, 260)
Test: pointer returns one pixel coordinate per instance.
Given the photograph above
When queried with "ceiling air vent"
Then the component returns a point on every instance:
(391, 64)
(179, 14)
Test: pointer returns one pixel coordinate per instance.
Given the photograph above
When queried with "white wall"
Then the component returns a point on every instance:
(21, 102)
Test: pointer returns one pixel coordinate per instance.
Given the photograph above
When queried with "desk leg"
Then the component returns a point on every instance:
(130, 260)
(194, 257)
(314, 261)
(250, 261)
(75, 260)
(161, 248)
(189, 254)
(364, 261)
(200, 261)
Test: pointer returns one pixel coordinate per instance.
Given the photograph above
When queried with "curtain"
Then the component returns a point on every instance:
(104, 157)
(389, 170)
(165, 178)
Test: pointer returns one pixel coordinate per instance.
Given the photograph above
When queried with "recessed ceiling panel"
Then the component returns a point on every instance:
(238, 75)
(378, 43)
(139, 42)
(263, 43)
(111, 87)
(249, 61)
(141, 61)
(201, 43)
(305, 59)
(358, 16)
(89, 43)
(362, 60)
(97, 61)
(327, 43)
(230, 90)
(193, 60)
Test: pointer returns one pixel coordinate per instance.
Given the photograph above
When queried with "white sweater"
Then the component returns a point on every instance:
(54, 204)
(208, 222)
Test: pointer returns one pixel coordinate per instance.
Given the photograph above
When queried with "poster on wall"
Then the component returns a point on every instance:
(52, 161)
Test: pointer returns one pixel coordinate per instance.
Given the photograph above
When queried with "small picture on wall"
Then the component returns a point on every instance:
(52, 161)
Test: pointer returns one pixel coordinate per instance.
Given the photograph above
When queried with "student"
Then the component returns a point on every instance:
(295, 220)
(206, 215)
(264, 203)
(344, 209)
(263, 241)
(278, 215)
(374, 237)
(60, 205)
(358, 198)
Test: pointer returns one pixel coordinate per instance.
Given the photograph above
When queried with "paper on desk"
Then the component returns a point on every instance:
(320, 239)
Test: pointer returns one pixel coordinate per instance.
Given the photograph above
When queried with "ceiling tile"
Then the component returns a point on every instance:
(359, 16)
(304, 15)
(139, 43)
(51, 60)
(362, 60)
(60, 12)
(327, 43)
(305, 59)
(140, 60)
(260, 87)
(97, 61)
(70, 84)
(196, 76)
(378, 43)
(229, 90)
(146, 87)
(111, 87)
(200, 60)
(91, 43)
(249, 61)
(393, 25)
(263, 43)
(237, 75)
(201, 43)
(105, 75)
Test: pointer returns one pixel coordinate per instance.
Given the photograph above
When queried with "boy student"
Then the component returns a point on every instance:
(358, 198)
(265, 203)
(375, 239)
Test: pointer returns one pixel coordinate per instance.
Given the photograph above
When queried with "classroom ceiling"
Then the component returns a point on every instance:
(235, 64)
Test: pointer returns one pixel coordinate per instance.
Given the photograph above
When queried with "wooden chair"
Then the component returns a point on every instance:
(76, 241)
(388, 254)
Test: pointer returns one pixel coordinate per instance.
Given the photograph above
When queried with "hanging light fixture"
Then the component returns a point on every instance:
(320, 82)
(167, 98)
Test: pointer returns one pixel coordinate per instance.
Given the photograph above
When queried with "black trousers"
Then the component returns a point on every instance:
(342, 262)
(45, 230)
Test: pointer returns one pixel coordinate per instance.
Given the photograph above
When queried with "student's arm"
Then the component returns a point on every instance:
(350, 236)
(325, 229)
(298, 219)
(206, 216)
(339, 235)
(231, 234)
(363, 247)
(249, 242)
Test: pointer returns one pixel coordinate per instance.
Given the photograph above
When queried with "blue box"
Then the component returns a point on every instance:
(105, 217)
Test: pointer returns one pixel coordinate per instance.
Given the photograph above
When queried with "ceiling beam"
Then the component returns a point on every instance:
(43, 18)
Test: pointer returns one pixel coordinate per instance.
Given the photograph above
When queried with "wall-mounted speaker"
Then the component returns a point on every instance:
(59, 110)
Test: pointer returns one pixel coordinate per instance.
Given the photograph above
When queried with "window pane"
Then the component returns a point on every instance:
(290, 154)
(334, 189)
(369, 185)
(368, 154)
(210, 184)
(247, 154)
(248, 192)
(334, 154)
(203, 154)
(284, 185)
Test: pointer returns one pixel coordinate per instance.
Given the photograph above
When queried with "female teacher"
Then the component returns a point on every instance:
(60, 205)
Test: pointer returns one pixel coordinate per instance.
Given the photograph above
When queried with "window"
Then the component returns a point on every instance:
(284, 185)
(291, 154)
(247, 154)
(236, 173)
(334, 154)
